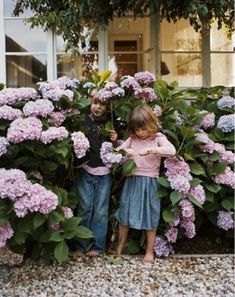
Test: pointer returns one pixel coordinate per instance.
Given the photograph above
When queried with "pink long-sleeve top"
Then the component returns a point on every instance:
(149, 165)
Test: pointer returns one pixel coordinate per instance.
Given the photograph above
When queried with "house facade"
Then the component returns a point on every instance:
(173, 51)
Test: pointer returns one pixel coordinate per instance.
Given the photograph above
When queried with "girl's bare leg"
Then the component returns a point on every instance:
(123, 232)
(149, 256)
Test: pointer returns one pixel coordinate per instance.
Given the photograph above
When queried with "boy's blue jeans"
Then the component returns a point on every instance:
(93, 192)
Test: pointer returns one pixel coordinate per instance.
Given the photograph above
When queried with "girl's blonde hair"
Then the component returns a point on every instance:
(142, 116)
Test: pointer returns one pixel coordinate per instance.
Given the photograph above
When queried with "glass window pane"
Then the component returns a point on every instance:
(186, 69)
(60, 44)
(24, 39)
(128, 64)
(223, 69)
(25, 71)
(76, 67)
(179, 36)
(128, 28)
(9, 7)
(219, 40)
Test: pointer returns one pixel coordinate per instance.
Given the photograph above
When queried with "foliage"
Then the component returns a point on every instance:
(69, 17)
(197, 122)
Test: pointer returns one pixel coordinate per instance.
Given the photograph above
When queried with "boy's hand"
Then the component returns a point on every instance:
(113, 135)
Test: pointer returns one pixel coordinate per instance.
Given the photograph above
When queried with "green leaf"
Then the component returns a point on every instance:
(38, 220)
(49, 166)
(61, 252)
(69, 234)
(3, 220)
(128, 167)
(218, 168)
(175, 197)
(20, 237)
(132, 247)
(209, 207)
(55, 217)
(214, 188)
(214, 156)
(197, 169)
(55, 236)
(227, 203)
(194, 201)
(188, 157)
(71, 223)
(164, 182)
(25, 224)
(195, 182)
(210, 196)
(62, 151)
(162, 192)
(187, 132)
(83, 232)
(168, 215)
(83, 103)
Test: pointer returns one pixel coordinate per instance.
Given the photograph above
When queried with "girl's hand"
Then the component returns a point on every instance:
(130, 152)
(144, 152)
(147, 151)
(113, 135)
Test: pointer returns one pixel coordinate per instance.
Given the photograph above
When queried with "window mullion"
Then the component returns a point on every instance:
(103, 49)
(3, 45)
(51, 56)
(206, 58)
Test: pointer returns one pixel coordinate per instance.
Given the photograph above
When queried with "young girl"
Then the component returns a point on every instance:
(93, 182)
(139, 206)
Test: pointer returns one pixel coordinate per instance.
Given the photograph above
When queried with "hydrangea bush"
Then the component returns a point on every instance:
(41, 137)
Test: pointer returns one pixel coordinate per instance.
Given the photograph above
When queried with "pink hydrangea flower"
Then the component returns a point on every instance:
(80, 144)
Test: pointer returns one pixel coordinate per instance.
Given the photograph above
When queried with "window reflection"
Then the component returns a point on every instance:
(25, 71)
(9, 7)
(185, 68)
(224, 73)
(26, 39)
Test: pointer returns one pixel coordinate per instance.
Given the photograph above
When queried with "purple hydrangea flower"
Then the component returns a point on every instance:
(24, 129)
(9, 113)
(157, 110)
(171, 234)
(80, 144)
(226, 101)
(224, 220)
(198, 193)
(208, 121)
(40, 107)
(54, 133)
(177, 166)
(10, 96)
(3, 145)
(226, 178)
(103, 95)
(6, 232)
(147, 94)
(145, 78)
(108, 156)
(68, 213)
(226, 123)
(180, 183)
(187, 209)
(189, 228)
(162, 247)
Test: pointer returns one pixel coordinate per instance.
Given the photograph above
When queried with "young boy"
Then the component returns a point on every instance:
(93, 183)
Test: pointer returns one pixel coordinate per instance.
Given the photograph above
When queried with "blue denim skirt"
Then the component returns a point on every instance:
(139, 205)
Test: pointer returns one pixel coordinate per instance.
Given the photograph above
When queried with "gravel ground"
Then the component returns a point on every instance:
(199, 276)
